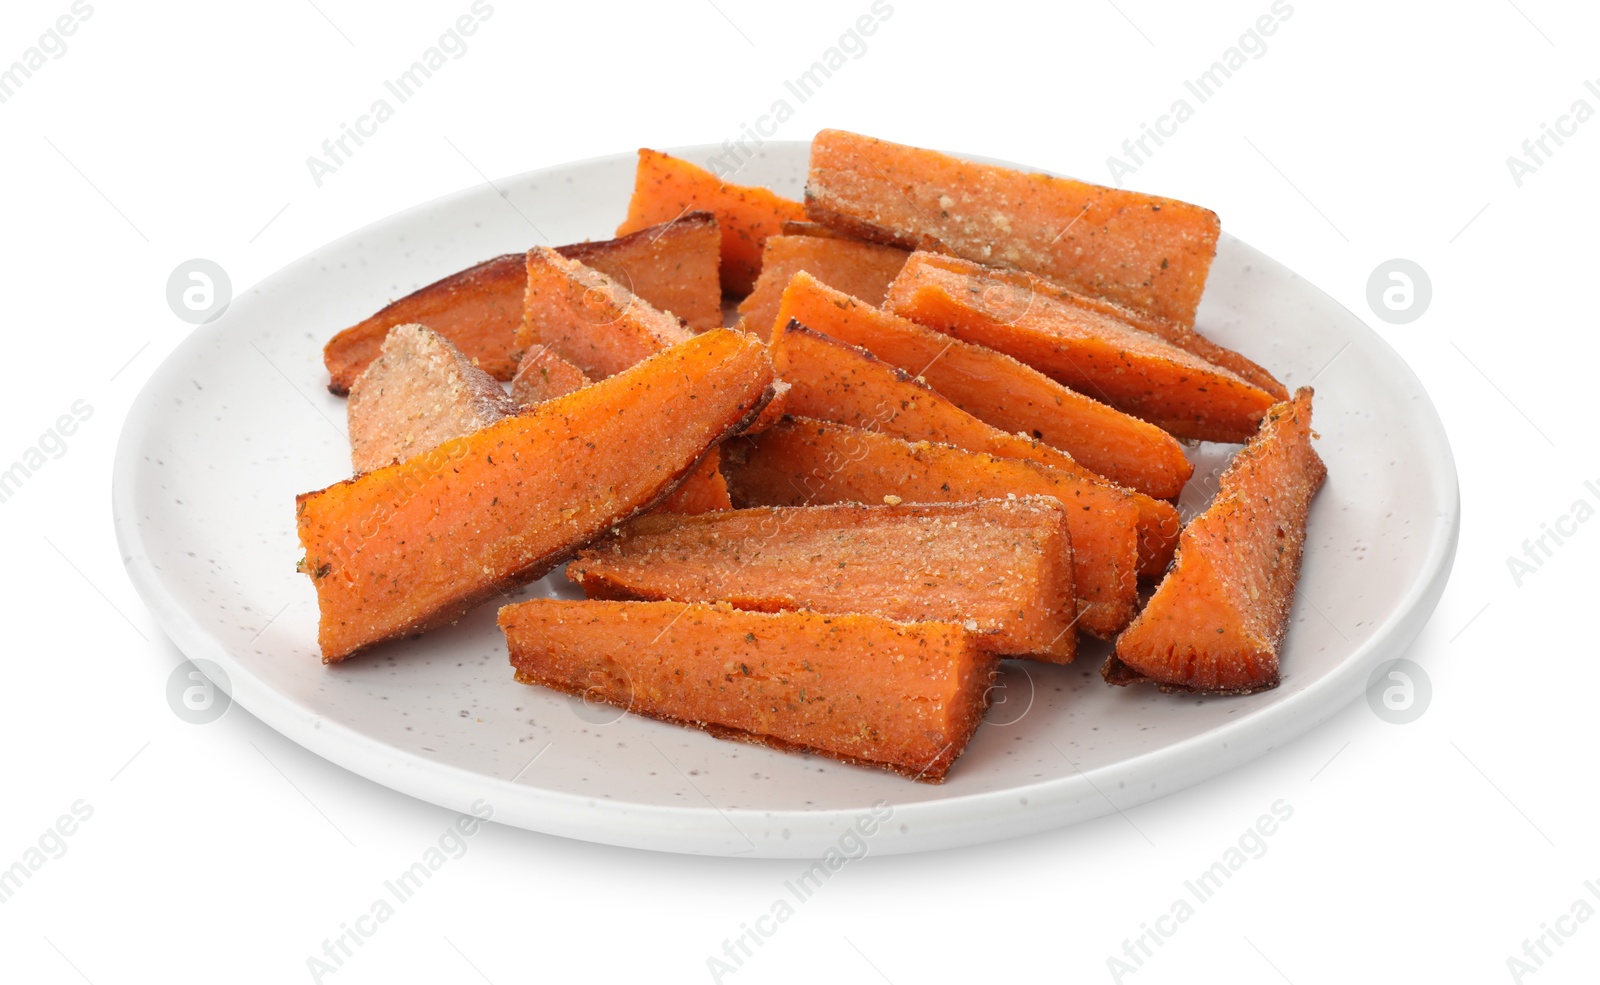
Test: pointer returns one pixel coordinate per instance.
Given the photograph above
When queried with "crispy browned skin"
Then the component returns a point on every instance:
(674, 266)
(1148, 253)
(834, 381)
(1001, 568)
(1217, 621)
(671, 265)
(860, 689)
(414, 545)
(543, 375)
(775, 410)
(862, 270)
(802, 462)
(998, 390)
(704, 491)
(590, 319)
(666, 187)
(1182, 336)
(420, 392)
(1081, 348)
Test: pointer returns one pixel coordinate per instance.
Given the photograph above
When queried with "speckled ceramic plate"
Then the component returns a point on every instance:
(239, 420)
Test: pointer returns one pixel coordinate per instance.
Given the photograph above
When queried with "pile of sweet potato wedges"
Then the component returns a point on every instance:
(946, 428)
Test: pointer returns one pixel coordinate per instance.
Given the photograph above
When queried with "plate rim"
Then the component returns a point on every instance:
(923, 825)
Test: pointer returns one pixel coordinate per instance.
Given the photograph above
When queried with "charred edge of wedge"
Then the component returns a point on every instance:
(1119, 674)
(364, 342)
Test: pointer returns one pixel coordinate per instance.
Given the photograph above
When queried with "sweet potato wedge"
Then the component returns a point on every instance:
(862, 270)
(666, 187)
(414, 545)
(543, 375)
(672, 266)
(420, 392)
(1182, 336)
(591, 320)
(998, 390)
(860, 689)
(834, 381)
(1002, 568)
(801, 462)
(1217, 621)
(1148, 253)
(1085, 350)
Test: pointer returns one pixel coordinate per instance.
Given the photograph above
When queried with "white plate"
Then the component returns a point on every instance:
(238, 420)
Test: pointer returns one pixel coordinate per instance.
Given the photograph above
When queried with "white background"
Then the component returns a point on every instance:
(1367, 130)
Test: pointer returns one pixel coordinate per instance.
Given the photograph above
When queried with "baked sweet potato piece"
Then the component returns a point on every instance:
(862, 270)
(666, 187)
(1085, 350)
(543, 375)
(420, 392)
(1217, 621)
(591, 320)
(672, 266)
(834, 381)
(860, 689)
(998, 390)
(802, 462)
(1002, 568)
(1148, 253)
(414, 545)
(1182, 336)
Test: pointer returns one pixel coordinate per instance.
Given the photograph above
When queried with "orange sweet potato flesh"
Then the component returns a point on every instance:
(1150, 254)
(704, 491)
(802, 462)
(1217, 621)
(589, 318)
(1001, 568)
(672, 266)
(666, 187)
(414, 545)
(1182, 336)
(862, 270)
(543, 375)
(1088, 351)
(834, 381)
(998, 390)
(420, 392)
(857, 688)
